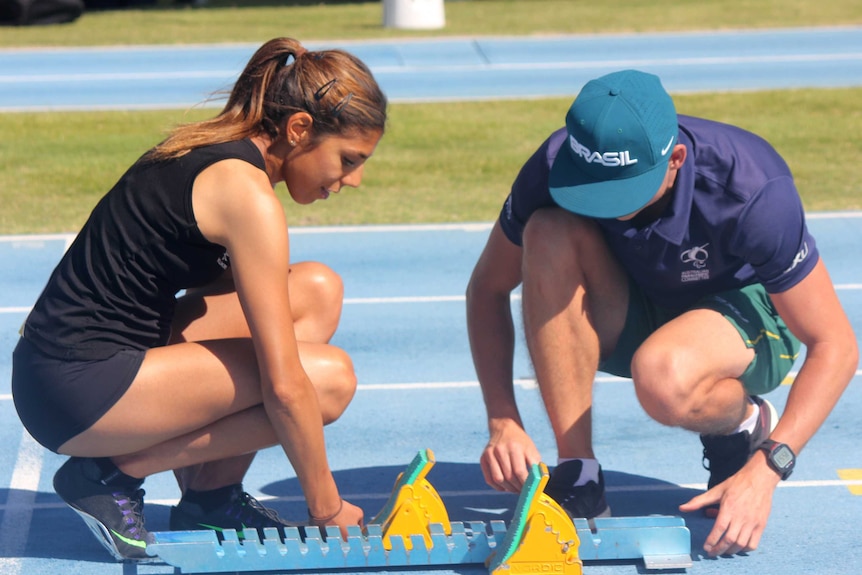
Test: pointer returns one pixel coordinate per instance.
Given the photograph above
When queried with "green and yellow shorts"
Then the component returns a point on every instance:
(750, 311)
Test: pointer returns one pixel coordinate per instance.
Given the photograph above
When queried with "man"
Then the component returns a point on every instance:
(672, 250)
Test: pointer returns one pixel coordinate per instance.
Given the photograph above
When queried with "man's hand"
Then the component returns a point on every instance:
(745, 502)
(508, 457)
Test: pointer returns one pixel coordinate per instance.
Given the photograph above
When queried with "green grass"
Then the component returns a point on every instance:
(256, 21)
(438, 162)
(447, 162)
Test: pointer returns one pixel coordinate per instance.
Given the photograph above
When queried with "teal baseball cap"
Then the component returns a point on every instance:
(621, 129)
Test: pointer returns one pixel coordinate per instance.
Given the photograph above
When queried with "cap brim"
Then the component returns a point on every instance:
(576, 192)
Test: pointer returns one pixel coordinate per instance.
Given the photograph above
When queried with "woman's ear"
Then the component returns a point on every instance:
(298, 127)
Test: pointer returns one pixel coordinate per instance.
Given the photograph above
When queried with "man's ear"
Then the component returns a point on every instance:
(678, 156)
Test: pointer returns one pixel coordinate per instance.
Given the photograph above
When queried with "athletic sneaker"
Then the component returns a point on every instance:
(724, 455)
(581, 501)
(113, 513)
(240, 512)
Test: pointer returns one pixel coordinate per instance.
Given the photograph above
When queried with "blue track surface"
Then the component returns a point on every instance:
(466, 68)
(403, 321)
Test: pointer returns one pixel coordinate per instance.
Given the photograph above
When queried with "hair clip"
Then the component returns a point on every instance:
(341, 104)
(323, 90)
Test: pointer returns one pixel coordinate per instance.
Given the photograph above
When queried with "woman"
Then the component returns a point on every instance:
(115, 371)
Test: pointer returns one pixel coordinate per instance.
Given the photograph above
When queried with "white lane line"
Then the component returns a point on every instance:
(647, 487)
(419, 385)
(461, 298)
(407, 299)
(15, 309)
(378, 228)
(404, 299)
(588, 64)
(18, 79)
(464, 227)
(637, 488)
(832, 215)
(522, 383)
(33, 238)
(18, 511)
(304, 230)
(106, 76)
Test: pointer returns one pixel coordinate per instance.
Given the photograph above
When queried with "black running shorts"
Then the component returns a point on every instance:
(58, 399)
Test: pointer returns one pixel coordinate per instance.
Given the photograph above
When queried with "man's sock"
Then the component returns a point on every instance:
(589, 469)
(751, 421)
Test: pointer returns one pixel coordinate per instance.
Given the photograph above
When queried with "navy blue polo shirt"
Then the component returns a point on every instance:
(735, 218)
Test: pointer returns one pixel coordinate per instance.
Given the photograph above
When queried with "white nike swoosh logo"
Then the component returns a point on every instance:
(666, 148)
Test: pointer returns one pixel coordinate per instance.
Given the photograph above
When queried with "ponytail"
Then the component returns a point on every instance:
(282, 78)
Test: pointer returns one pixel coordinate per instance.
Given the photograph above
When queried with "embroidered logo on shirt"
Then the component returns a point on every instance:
(697, 257)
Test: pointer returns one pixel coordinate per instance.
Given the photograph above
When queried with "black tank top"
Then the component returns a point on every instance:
(116, 286)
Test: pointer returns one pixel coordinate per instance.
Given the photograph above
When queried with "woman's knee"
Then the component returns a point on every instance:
(317, 297)
(338, 388)
(321, 279)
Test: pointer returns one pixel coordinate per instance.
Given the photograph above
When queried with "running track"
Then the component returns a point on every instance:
(429, 70)
(403, 320)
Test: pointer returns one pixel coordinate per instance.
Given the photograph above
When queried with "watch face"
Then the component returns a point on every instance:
(782, 456)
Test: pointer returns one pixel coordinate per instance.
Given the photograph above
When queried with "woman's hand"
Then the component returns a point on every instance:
(347, 514)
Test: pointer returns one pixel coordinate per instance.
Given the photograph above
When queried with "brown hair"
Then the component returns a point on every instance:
(283, 78)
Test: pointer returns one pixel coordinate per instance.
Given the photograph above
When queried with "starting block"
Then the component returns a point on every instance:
(541, 537)
(413, 506)
(413, 529)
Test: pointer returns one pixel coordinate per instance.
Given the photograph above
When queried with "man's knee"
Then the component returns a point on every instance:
(662, 386)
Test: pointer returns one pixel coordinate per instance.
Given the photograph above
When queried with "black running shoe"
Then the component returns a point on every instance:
(113, 513)
(724, 455)
(240, 512)
(582, 501)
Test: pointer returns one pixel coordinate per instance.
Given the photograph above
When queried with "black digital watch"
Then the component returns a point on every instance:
(780, 457)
